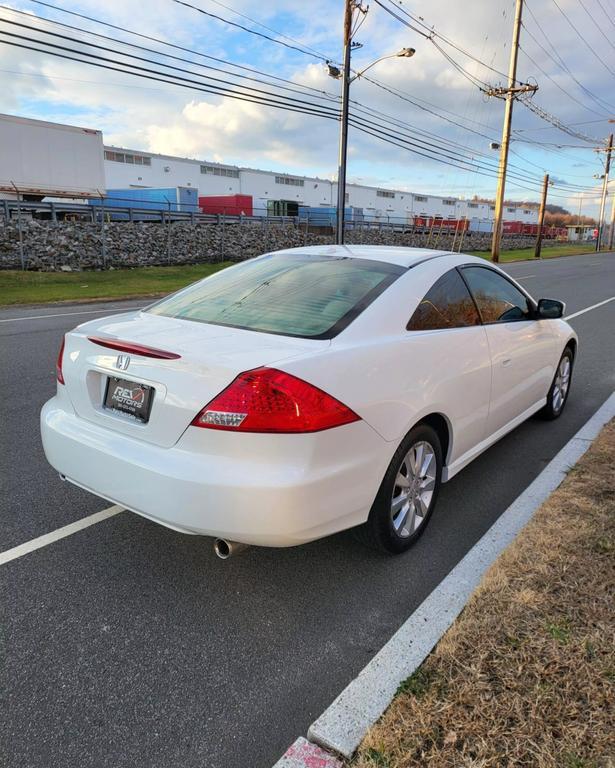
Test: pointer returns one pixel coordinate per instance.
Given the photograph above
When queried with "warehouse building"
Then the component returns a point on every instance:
(282, 194)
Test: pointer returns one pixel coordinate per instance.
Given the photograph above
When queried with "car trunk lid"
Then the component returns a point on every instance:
(180, 364)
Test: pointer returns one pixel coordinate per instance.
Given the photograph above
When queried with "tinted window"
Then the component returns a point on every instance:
(306, 295)
(498, 300)
(447, 304)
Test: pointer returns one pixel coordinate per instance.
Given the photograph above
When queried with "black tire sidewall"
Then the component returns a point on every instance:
(548, 411)
(382, 532)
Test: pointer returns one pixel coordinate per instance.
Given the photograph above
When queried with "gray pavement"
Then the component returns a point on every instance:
(129, 645)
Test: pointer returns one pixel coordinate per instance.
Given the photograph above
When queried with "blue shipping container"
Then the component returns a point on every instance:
(154, 199)
(323, 216)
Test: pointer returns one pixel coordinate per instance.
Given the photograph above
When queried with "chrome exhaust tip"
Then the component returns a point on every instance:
(225, 548)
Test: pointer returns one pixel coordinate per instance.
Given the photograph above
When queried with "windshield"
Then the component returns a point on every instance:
(306, 295)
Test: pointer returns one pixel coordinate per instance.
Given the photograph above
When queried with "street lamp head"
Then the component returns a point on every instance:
(334, 71)
(406, 53)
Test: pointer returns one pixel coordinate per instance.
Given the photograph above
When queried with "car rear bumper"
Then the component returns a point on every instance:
(270, 490)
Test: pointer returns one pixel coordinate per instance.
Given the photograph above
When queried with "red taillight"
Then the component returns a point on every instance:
(268, 400)
(59, 374)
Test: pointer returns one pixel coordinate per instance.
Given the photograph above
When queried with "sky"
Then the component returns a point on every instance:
(567, 49)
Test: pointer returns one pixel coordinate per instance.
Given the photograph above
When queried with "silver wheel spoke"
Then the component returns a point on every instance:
(419, 451)
(398, 502)
(423, 506)
(401, 481)
(400, 521)
(426, 462)
(428, 484)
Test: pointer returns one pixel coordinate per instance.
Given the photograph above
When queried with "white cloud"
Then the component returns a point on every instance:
(167, 119)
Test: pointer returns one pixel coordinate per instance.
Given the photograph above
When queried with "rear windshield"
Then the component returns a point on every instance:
(306, 295)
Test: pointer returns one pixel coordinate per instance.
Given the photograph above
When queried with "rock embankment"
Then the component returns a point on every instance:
(81, 245)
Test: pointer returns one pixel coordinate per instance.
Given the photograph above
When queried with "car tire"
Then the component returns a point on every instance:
(560, 388)
(403, 507)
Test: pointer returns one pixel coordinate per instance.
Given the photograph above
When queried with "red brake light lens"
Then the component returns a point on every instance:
(59, 374)
(268, 400)
(134, 349)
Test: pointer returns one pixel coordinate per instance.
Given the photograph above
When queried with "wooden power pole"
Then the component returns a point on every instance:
(541, 216)
(509, 93)
(605, 189)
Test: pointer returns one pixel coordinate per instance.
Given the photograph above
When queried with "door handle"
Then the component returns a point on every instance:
(506, 362)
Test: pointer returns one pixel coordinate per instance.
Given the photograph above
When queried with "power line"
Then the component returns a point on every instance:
(555, 83)
(598, 27)
(557, 59)
(147, 37)
(222, 89)
(574, 27)
(555, 121)
(251, 31)
(432, 33)
(253, 95)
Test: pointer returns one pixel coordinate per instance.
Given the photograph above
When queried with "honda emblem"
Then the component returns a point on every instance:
(122, 362)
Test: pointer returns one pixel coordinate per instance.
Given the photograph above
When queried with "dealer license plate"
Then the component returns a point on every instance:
(129, 397)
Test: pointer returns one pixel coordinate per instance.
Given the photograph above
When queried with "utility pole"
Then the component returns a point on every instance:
(541, 216)
(343, 148)
(509, 93)
(605, 187)
(612, 230)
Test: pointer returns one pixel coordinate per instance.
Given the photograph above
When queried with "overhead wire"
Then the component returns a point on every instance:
(581, 37)
(257, 95)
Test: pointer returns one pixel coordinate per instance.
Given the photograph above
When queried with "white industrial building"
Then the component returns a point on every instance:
(127, 168)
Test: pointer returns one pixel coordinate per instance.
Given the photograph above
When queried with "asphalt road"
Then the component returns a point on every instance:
(129, 645)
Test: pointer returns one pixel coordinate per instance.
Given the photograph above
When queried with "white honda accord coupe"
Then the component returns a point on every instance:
(304, 392)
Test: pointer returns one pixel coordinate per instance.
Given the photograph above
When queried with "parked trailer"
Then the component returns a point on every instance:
(142, 199)
(326, 216)
(230, 205)
(436, 224)
(40, 159)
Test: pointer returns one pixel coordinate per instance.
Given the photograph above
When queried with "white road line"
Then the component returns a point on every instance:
(59, 533)
(68, 314)
(523, 277)
(588, 309)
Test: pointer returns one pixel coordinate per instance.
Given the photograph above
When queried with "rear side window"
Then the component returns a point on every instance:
(306, 295)
(447, 304)
(498, 300)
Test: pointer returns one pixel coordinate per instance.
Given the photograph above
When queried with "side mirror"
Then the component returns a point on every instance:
(550, 309)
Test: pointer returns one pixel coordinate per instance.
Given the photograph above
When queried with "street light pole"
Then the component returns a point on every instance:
(605, 187)
(343, 147)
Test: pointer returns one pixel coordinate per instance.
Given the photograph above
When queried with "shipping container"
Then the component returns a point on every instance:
(140, 199)
(326, 216)
(40, 159)
(229, 205)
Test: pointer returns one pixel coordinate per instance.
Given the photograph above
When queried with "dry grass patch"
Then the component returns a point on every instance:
(526, 675)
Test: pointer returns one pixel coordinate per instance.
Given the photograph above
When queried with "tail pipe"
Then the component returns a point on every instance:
(225, 548)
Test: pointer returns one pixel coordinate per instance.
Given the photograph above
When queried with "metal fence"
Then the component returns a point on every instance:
(309, 227)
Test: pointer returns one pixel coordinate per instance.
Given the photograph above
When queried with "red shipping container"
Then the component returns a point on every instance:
(231, 205)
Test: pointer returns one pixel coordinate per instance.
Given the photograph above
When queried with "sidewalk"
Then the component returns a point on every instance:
(526, 675)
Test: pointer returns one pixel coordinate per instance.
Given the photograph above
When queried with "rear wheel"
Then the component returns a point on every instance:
(407, 495)
(558, 394)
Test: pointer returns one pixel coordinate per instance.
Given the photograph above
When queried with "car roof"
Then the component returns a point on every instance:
(403, 257)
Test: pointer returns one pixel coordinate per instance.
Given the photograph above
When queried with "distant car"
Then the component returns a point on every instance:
(305, 392)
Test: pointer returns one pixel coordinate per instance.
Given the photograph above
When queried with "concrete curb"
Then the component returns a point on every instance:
(343, 725)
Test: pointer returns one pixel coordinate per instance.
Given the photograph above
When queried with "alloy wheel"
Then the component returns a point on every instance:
(414, 487)
(561, 384)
